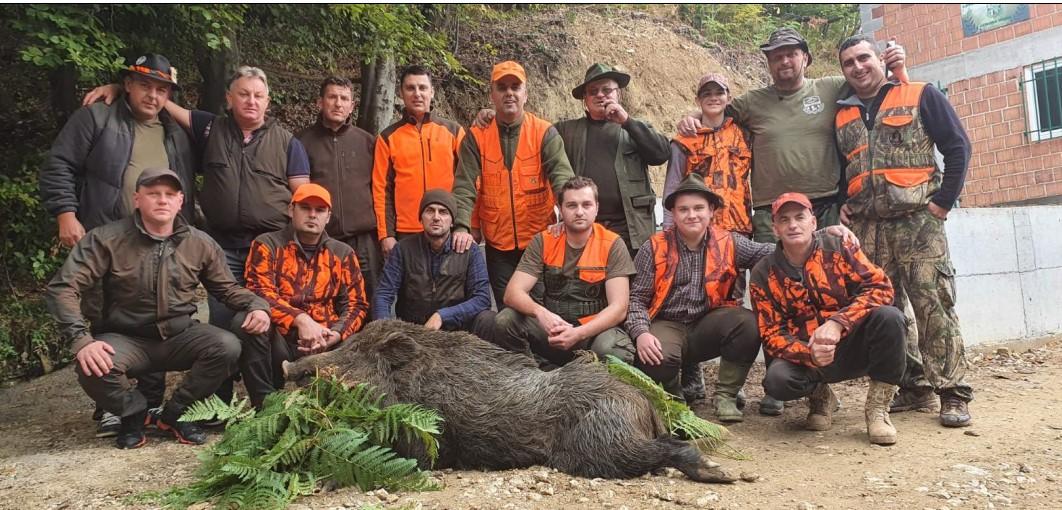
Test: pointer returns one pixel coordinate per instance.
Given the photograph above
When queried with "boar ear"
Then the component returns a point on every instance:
(398, 349)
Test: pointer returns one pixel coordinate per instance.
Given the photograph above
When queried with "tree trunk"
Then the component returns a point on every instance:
(65, 100)
(376, 110)
(216, 69)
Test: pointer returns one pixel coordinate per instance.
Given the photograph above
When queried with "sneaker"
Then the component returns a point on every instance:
(131, 431)
(109, 425)
(770, 406)
(185, 432)
(922, 400)
(954, 411)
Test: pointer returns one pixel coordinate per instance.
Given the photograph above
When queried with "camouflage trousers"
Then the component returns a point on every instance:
(913, 252)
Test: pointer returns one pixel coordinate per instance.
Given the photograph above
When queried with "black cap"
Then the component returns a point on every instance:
(154, 66)
(438, 196)
(786, 36)
(151, 176)
(693, 183)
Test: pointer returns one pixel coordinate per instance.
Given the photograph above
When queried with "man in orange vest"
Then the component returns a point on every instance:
(508, 172)
(585, 272)
(897, 202)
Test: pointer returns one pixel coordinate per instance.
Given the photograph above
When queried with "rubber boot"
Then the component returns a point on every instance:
(731, 379)
(879, 426)
(692, 382)
(821, 404)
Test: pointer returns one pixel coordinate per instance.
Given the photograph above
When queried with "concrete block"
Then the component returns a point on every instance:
(990, 308)
(1045, 223)
(1043, 301)
(982, 241)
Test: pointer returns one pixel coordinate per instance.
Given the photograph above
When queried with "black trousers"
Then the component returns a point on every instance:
(874, 348)
(210, 355)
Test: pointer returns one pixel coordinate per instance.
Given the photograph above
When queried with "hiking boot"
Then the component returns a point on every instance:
(185, 432)
(109, 425)
(922, 400)
(730, 380)
(770, 406)
(879, 426)
(821, 404)
(954, 411)
(692, 382)
(131, 431)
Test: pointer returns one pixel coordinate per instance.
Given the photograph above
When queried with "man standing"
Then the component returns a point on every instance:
(340, 157)
(682, 311)
(585, 271)
(898, 200)
(823, 313)
(314, 289)
(433, 284)
(791, 125)
(615, 151)
(150, 264)
(413, 155)
(519, 163)
(90, 175)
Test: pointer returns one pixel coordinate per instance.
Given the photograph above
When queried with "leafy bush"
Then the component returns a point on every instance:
(323, 433)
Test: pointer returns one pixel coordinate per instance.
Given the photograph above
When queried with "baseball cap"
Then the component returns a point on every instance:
(310, 192)
(791, 197)
(786, 36)
(152, 176)
(713, 78)
(508, 68)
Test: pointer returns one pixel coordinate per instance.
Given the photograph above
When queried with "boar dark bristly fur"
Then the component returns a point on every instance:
(501, 412)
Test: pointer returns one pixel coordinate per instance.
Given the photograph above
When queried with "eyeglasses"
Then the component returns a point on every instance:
(604, 91)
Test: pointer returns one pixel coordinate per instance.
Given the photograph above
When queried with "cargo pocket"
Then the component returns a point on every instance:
(906, 189)
(945, 281)
(592, 275)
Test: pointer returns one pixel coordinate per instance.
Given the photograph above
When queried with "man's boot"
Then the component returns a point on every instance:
(692, 382)
(922, 400)
(821, 404)
(731, 379)
(879, 426)
(185, 432)
(954, 411)
(131, 432)
(770, 406)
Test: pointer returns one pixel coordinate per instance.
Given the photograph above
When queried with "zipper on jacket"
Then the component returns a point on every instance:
(338, 186)
(423, 163)
(512, 190)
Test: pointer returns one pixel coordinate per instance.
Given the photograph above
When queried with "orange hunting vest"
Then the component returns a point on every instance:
(514, 204)
(577, 299)
(720, 268)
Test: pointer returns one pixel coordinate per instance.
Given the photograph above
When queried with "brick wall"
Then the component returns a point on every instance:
(1005, 166)
(930, 32)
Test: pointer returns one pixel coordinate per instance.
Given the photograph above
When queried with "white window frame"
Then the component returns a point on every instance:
(1031, 107)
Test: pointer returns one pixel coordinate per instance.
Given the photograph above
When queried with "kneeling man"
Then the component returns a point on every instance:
(585, 271)
(149, 265)
(433, 284)
(313, 284)
(824, 315)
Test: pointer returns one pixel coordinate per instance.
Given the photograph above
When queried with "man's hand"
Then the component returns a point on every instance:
(938, 211)
(95, 358)
(689, 125)
(388, 244)
(823, 342)
(322, 345)
(566, 339)
(70, 229)
(895, 58)
(483, 118)
(821, 354)
(846, 215)
(556, 229)
(256, 323)
(614, 112)
(434, 322)
(106, 92)
(552, 323)
(462, 241)
(649, 350)
(846, 235)
(310, 331)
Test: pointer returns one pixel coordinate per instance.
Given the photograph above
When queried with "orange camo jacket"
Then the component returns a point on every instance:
(723, 158)
(837, 283)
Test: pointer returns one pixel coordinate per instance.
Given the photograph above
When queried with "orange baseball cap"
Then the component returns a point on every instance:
(786, 198)
(508, 68)
(310, 192)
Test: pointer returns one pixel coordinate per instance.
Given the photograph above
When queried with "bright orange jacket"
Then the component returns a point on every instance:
(838, 283)
(720, 268)
(408, 162)
(592, 269)
(328, 286)
(514, 205)
(723, 158)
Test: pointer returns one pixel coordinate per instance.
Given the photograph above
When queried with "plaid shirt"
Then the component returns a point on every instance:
(686, 301)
